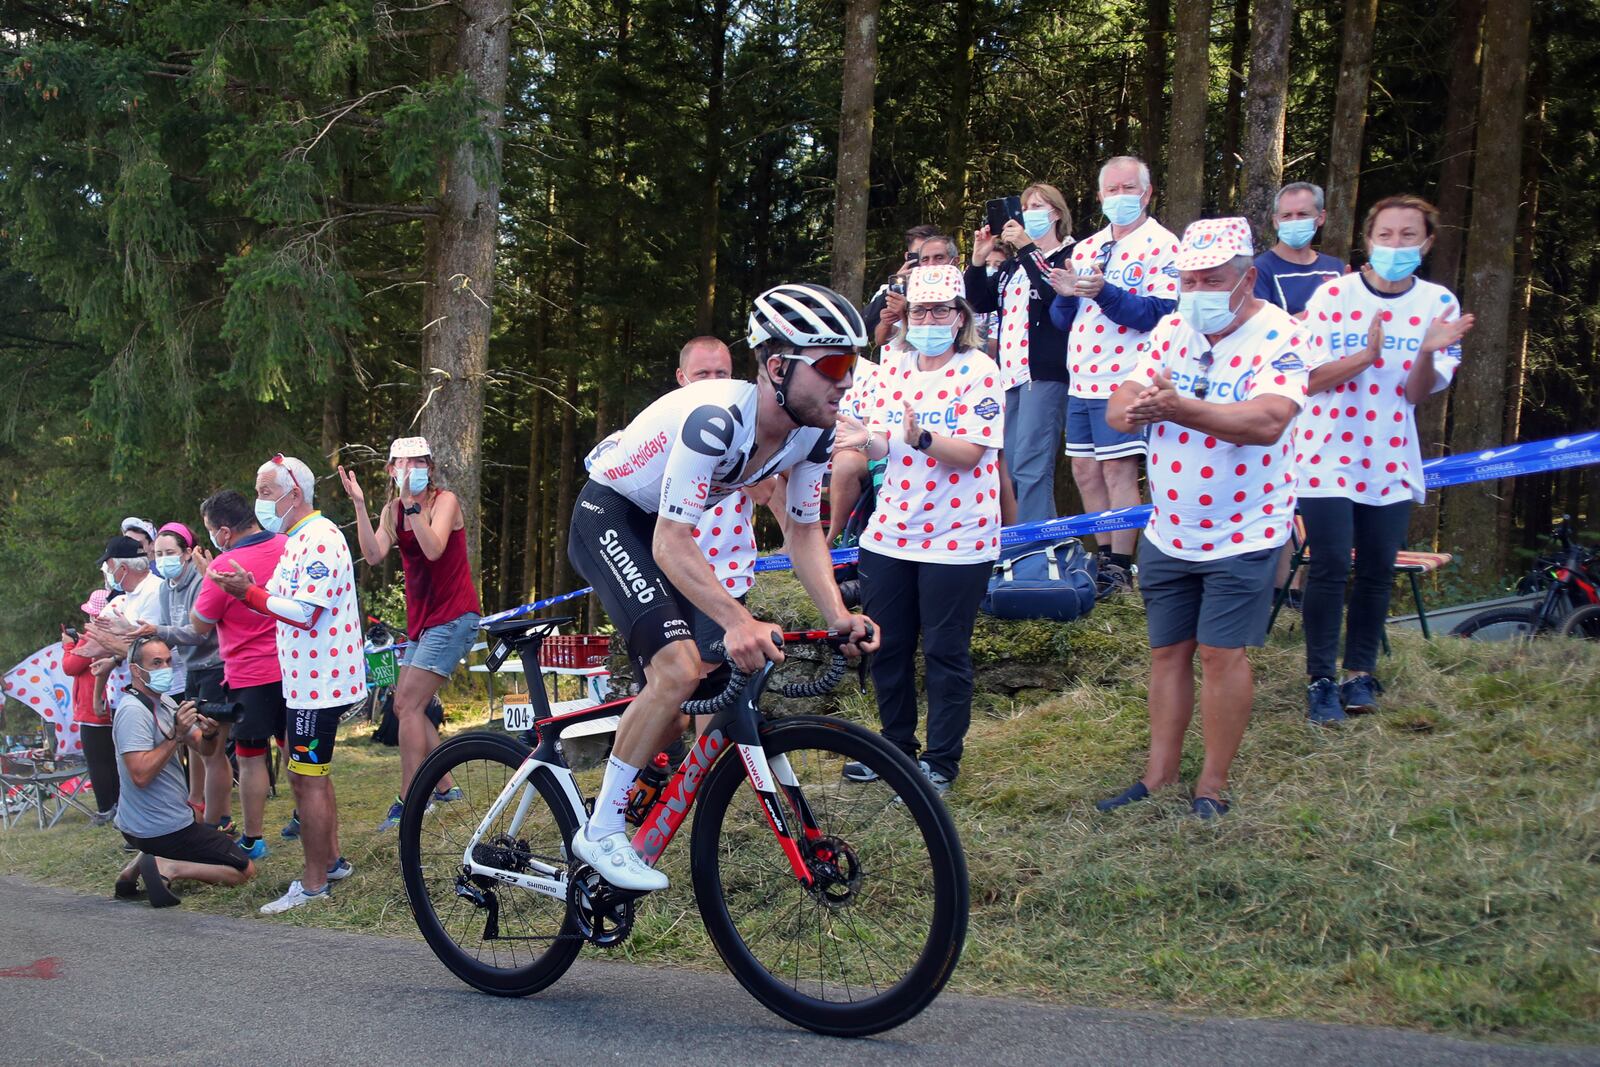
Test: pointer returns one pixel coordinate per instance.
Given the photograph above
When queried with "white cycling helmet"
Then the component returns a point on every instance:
(805, 316)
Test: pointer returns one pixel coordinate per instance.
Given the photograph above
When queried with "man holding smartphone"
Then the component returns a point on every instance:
(885, 300)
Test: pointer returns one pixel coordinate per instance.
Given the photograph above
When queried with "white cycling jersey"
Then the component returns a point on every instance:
(692, 448)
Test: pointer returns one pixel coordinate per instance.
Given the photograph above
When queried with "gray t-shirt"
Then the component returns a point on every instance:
(162, 807)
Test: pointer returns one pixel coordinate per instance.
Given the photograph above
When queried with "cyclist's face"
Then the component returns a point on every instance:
(813, 397)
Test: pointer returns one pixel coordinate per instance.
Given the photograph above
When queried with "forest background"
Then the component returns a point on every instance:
(229, 228)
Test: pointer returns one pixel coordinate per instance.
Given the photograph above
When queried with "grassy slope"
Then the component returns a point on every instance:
(1436, 866)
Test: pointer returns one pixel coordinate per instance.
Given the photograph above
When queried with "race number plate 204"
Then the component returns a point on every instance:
(518, 717)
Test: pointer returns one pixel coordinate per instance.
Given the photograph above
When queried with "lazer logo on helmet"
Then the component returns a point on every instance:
(627, 570)
(818, 342)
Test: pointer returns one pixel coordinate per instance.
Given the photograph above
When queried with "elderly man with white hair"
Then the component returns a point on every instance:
(312, 595)
(1218, 386)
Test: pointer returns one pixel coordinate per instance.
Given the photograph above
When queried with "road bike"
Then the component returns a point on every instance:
(1570, 581)
(840, 905)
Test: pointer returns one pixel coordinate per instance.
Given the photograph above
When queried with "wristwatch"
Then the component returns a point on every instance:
(924, 439)
(414, 509)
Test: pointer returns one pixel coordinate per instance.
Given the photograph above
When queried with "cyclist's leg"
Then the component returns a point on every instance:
(889, 596)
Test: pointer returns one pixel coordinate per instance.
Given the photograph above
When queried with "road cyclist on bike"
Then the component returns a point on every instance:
(632, 533)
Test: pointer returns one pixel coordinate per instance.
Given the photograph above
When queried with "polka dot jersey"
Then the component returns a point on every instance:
(1100, 353)
(322, 666)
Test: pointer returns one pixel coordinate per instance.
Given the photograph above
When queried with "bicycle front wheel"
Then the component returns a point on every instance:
(1500, 624)
(1584, 623)
(874, 939)
(498, 938)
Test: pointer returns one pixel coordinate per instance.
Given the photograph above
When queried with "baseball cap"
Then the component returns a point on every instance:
(145, 526)
(409, 448)
(1210, 243)
(935, 285)
(121, 547)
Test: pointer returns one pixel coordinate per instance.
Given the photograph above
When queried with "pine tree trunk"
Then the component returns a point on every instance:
(1264, 96)
(854, 180)
(716, 39)
(1186, 144)
(460, 258)
(1152, 120)
(1479, 406)
(502, 572)
(539, 401)
(1238, 51)
(566, 478)
(958, 132)
(1349, 126)
(1455, 154)
(334, 417)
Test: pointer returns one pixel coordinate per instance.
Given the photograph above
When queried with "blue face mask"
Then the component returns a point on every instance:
(159, 680)
(1036, 222)
(1122, 209)
(214, 542)
(267, 515)
(416, 480)
(111, 583)
(930, 339)
(1297, 233)
(169, 567)
(1395, 264)
(1208, 311)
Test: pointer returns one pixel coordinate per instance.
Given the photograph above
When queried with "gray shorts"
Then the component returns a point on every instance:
(1223, 603)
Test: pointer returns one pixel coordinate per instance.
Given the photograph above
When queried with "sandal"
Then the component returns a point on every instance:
(126, 889)
(158, 888)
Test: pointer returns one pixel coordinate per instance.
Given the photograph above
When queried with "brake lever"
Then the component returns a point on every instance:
(861, 672)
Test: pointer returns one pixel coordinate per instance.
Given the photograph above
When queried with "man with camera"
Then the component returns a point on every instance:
(312, 595)
(932, 250)
(153, 810)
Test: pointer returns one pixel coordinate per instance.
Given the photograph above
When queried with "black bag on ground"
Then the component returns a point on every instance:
(1042, 581)
(388, 731)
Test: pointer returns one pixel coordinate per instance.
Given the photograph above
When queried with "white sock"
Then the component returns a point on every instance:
(612, 801)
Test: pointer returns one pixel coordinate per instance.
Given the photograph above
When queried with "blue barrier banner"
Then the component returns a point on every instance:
(1506, 461)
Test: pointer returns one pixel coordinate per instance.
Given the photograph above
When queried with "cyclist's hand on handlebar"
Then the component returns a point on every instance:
(750, 645)
(864, 635)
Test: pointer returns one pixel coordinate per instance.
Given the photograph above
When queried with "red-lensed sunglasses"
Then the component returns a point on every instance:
(835, 368)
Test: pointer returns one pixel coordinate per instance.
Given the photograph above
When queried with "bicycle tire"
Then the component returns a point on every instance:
(472, 761)
(1500, 624)
(939, 949)
(1583, 623)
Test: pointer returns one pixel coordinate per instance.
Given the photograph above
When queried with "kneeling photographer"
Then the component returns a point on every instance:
(153, 810)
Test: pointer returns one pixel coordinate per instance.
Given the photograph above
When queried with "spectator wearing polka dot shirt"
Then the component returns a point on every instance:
(1389, 340)
(1032, 349)
(1121, 283)
(1218, 388)
(937, 417)
(312, 596)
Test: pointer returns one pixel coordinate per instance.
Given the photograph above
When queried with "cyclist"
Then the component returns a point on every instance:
(442, 607)
(632, 533)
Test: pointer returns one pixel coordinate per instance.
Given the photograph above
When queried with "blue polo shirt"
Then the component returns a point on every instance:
(1290, 285)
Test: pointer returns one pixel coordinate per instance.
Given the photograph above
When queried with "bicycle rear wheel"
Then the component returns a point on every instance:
(1584, 623)
(1500, 624)
(874, 941)
(498, 938)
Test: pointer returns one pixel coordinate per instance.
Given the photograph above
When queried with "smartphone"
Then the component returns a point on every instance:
(998, 212)
(914, 258)
(897, 284)
(72, 634)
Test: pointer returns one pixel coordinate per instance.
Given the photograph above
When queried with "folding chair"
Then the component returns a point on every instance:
(1412, 564)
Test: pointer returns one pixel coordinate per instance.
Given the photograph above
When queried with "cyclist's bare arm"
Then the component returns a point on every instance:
(749, 642)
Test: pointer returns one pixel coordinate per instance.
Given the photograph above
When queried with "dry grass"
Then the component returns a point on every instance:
(1435, 866)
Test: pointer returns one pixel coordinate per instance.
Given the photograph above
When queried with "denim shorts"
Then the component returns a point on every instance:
(1223, 603)
(440, 649)
(1090, 436)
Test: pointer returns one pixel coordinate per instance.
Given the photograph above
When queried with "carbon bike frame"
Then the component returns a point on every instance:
(737, 728)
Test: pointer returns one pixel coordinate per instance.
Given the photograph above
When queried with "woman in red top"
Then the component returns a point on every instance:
(442, 607)
(94, 726)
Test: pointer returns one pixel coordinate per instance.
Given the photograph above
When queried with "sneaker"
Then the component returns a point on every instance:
(1360, 694)
(295, 897)
(859, 772)
(257, 851)
(100, 818)
(941, 784)
(291, 829)
(614, 859)
(1135, 792)
(340, 869)
(226, 826)
(391, 820)
(449, 796)
(1323, 706)
(1112, 579)
(1208, 808)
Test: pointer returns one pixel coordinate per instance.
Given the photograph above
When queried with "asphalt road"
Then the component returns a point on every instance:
(86, 980)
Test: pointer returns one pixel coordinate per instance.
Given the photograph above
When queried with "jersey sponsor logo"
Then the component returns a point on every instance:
(1132, 274)
(1357, 341)
(588, 505)
(641, 457)
(626, 569)
(1170, 271)
(987, 408)
(677, 630)
(318, 571)
(1287, 362)
(708, 430)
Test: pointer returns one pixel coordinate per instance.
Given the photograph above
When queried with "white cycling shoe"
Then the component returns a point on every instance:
(614, 859)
